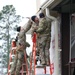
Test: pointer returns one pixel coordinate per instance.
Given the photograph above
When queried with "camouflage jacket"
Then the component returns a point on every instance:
(33, 26)
(22, 44)
(22, 37)
(43, 28)
(27, 26)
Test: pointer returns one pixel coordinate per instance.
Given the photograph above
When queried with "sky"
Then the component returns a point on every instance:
(25, 8)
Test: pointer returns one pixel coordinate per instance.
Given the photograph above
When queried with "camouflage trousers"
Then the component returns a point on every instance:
(37, 47)
(44, 45)
(17, 63)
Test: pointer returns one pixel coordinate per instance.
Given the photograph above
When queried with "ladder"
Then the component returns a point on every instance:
(24, 68)
(32, 65)
(34, 59)
(11, 55)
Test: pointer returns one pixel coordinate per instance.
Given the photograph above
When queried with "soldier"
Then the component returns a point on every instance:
(21, 47)
(44, 39)
(28, 25)
(33, 25)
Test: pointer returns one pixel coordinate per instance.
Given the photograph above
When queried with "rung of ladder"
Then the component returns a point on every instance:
(40, 66)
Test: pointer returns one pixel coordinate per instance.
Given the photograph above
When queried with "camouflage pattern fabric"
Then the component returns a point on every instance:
(21, 46)
(44, 40)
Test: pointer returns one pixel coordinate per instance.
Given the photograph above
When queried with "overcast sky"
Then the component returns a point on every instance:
(25, 8)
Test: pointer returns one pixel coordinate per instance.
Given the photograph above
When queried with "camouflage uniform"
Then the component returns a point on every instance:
(44, 40)
(30, 25)
(19, 57)
(33, 27)
(27, 26)
(48, 42)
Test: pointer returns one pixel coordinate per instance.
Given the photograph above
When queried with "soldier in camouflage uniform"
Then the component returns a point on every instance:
(33, 26)
(44, 39)
(21, 47)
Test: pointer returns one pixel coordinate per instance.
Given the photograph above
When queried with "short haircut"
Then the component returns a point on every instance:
(33, 18)
(18, 29)
(16, 39)
(41, 15)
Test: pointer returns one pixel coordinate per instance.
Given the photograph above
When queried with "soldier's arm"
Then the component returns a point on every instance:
(42, 27)
(33, 29)
(28, 26)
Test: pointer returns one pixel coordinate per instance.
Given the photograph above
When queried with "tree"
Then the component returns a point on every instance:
(8, 23)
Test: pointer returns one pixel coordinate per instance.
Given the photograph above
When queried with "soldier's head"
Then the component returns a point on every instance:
(19, 29)
(16, 39)
(35, 19)
(41, 15)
